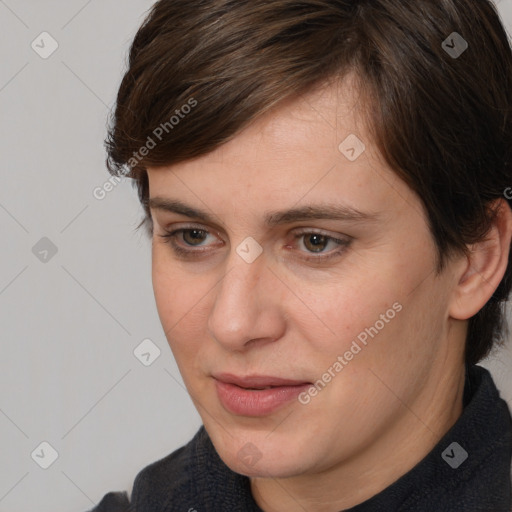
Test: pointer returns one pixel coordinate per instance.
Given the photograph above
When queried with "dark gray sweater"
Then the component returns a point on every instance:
(467, 471)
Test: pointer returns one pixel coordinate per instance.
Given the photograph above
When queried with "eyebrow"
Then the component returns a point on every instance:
(273, 218)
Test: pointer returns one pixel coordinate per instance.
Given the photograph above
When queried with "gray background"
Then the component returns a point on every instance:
(70, 321)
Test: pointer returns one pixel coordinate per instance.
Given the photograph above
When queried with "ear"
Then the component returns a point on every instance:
(485, 266)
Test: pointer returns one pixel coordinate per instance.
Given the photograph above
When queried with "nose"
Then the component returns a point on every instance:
(247, 305)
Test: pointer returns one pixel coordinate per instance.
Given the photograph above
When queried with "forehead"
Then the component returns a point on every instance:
(293, 155)
(316, 121)
(300, 130)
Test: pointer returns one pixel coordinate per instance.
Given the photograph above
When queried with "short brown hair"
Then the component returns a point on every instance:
(443, 121)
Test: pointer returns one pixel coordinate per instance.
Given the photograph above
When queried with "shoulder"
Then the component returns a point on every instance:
(169, 477)
(159, 482)
(113, 502)
(192, 478)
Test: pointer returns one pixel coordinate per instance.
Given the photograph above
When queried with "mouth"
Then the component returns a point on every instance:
(259, 389)
(258, 382)
(256, 395)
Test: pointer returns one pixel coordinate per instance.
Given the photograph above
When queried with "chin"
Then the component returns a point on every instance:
(264, 468)
(258, 457)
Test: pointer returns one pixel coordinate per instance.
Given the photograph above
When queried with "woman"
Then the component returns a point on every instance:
(325, 184)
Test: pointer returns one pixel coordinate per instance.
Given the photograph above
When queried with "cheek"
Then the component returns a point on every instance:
(372, 326)
(333, 315)
(386, 353)
(180, 299)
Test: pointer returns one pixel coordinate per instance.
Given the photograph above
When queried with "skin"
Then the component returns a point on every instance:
(285, 316)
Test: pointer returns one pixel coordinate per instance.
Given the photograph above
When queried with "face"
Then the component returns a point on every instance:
(270, 275)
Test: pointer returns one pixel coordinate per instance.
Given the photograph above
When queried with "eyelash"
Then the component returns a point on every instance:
(170, 236)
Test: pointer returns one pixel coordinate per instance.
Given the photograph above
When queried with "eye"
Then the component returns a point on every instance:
(316, 243)
(189, 236)
(194, 237)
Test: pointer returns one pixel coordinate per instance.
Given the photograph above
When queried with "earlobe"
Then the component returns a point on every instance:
(485, 266)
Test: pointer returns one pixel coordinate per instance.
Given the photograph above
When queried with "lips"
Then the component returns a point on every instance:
(258, 381)
(256, 395)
